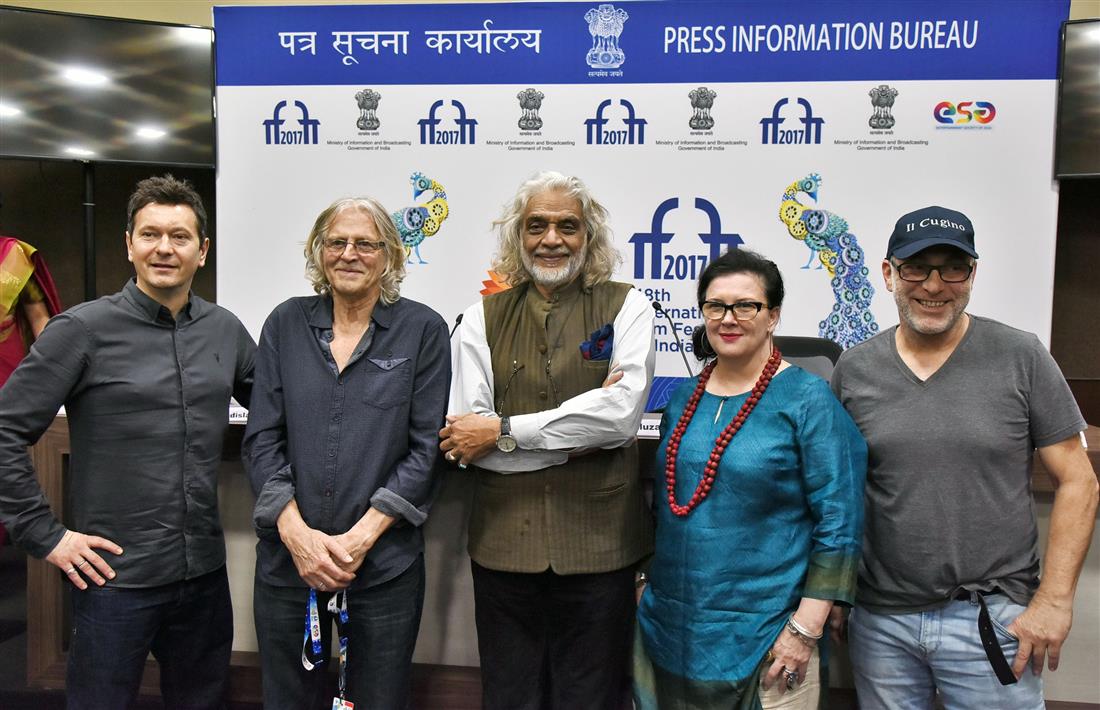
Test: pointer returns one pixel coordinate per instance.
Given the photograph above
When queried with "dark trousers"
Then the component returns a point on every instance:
(187, 625)
(553, 641)
(383, 622)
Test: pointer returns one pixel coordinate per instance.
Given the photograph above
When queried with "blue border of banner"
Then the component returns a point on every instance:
(1015, 42)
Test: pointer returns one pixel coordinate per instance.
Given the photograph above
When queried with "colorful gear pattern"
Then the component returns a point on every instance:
(420, 221)
(826, 234)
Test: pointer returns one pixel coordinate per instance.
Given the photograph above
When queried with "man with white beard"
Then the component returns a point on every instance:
(550, 382)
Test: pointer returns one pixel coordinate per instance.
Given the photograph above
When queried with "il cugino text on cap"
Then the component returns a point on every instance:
(929, 227)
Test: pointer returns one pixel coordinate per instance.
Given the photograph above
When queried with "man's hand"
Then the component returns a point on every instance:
(317, 556)
(1041, 628)
(468, 437)
(75, 555)
(360, 539)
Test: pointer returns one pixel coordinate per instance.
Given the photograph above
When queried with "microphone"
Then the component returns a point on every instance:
(657, 307)
(458, 322)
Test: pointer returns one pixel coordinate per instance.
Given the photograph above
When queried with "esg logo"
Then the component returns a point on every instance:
(947, 112)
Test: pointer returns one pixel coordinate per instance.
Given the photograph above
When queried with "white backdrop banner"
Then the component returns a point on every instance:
(802, 130)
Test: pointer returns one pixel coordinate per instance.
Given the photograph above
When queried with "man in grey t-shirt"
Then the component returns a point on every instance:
(952, 407)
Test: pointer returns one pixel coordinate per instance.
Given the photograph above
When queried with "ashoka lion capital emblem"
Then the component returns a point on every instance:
(368, 104)
(530, 101)
(882, 98)
(702, 100)
(605, 24)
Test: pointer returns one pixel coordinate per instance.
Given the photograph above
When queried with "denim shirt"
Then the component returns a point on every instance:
(339, 443)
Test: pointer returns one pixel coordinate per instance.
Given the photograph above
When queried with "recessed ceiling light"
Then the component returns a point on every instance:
(84, 77)
(7, 111)
(77, 150)
(151, 133)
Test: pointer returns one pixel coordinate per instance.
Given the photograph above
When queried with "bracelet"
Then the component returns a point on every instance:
(801, 633)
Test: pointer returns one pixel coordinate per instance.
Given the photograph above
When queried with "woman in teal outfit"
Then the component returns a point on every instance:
(759, 504)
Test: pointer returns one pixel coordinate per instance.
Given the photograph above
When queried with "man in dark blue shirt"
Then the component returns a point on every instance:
(351, 388)
(145, 376)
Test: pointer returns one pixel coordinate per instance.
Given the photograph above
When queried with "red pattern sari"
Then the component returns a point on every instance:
(23, 274)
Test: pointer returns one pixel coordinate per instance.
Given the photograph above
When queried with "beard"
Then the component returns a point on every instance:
(553, 278)
(926, 325)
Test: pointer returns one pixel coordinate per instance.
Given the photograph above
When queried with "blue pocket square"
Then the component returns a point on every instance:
(598, 345)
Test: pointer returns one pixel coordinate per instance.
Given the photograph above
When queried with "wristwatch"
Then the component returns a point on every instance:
(506, 442)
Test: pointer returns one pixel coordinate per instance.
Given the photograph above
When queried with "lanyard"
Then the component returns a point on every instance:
(313, 654)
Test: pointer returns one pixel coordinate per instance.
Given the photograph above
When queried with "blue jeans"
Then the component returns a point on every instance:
(383, 623)
(900, 661)
(188, 626)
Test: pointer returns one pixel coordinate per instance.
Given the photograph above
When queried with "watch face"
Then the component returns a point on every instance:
(506, 443)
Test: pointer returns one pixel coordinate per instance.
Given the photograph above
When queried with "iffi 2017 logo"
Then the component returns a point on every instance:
(649, 246)
(599, 134)
(463, 134)
(964, 112)
(305, 134)
(772, 132)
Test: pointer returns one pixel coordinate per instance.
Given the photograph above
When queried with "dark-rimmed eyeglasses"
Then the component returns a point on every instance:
(742, 310)
(949, 273)
(362, 246)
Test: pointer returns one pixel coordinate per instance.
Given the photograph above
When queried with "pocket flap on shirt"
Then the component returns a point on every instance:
(388, 364)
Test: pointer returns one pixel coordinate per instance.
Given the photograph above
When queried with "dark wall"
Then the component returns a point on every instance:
(42, 203)
(1075, 331)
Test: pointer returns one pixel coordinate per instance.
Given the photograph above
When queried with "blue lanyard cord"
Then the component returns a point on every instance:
(312, 653)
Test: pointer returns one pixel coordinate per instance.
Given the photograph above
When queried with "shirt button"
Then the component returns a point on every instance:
(542, 395)
(542, 348)
(328, 493)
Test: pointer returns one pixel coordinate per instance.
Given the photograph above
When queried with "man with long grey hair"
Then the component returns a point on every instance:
(341, 461)
(550, 383)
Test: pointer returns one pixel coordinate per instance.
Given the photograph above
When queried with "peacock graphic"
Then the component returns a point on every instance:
(827, 237)
(420, 221)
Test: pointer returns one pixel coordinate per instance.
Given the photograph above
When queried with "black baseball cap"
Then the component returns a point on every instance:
(929, 227)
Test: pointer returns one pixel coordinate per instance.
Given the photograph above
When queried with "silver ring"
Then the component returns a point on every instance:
(792, 678)
(321, 586)
(462, 465)
(71, 570)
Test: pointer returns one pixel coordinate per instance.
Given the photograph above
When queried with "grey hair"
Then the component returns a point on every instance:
(602, 257)
(393, 273)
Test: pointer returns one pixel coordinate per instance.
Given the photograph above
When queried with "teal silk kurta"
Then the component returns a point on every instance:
(784, 520)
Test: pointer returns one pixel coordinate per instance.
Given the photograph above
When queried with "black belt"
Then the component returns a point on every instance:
(989, 636)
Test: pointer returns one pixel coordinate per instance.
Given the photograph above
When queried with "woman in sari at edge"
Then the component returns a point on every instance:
(759, 514)
(28, 299)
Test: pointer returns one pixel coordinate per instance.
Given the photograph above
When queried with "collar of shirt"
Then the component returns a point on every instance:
(320, 313)
(320, 322)
(154, 310)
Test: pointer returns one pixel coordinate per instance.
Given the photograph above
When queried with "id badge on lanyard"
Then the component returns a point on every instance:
(313, 655)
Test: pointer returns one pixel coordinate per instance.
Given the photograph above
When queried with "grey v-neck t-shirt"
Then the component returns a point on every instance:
(948, 498)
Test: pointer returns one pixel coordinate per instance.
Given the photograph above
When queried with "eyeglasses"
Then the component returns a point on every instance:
(742, 310)
(362, 246)
(949, 273)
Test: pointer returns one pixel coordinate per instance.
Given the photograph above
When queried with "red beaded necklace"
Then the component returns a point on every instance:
(710, 471)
